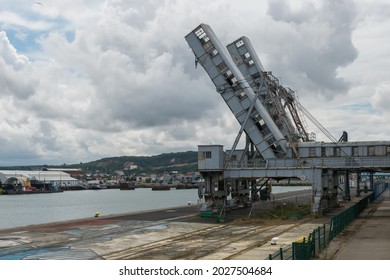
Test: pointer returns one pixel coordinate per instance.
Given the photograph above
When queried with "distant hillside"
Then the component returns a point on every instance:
(181, 161)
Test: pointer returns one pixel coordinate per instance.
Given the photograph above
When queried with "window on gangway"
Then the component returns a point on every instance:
(272, 144)
(204, 39)
(371, 151)
(247, 59)
(241, 95)
(199, 32)
(221, 67)
(312, 152)
(213, 52)
(239, 43)
(228, 74)
(232, 81)
(261, 125)
(202, 36)
(323, 151)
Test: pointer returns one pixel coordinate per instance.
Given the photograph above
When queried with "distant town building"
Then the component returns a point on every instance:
(57, 178)
(73, 172)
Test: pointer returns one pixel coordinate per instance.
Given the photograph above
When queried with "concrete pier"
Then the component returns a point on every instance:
(367, 237)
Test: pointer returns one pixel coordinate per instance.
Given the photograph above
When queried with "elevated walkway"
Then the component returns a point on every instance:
(367, 237)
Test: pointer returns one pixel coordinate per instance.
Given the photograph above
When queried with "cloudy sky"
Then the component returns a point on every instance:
(82, 80)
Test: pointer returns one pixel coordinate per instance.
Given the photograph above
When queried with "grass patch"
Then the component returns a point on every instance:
(289, 210)
(281, 212)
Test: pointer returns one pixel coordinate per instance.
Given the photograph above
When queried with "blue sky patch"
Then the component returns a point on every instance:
(359, 107)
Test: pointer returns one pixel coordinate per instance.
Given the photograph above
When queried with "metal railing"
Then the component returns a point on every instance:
(351, 162)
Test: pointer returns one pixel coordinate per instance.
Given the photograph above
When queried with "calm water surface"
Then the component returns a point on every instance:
(22, 210)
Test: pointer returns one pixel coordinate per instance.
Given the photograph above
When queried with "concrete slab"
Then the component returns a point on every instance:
(367, 237)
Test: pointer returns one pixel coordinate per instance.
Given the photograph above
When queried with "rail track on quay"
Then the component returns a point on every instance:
(221, 241)
(218, 240)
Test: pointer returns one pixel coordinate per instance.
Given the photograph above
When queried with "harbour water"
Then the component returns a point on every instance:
(22, 210)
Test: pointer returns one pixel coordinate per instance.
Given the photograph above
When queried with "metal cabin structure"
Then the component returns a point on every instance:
(277, 145)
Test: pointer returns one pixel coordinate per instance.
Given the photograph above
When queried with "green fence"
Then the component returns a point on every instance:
(304, 249)
(340, 221)
(319, 239)
(285, 253)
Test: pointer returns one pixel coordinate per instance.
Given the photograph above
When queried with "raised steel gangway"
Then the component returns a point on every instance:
(278, 146)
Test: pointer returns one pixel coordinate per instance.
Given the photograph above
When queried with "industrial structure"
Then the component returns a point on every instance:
(23, 177)
(278, 145)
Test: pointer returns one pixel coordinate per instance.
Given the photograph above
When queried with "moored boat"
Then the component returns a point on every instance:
(161, 188)
(34, 187)
(16, 192)
(124, 186)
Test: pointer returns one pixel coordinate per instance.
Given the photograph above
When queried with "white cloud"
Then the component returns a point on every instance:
(319, 42)
(90, 79)
(9, 54)
(15, 71)
(14, 19)
(381, 98)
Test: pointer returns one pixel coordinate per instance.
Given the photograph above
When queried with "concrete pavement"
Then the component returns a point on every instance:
(367, 237)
